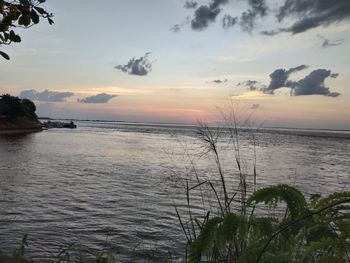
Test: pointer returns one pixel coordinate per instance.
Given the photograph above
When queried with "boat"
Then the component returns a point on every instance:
(59, 124)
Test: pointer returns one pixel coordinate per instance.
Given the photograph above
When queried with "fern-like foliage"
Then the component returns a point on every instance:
(294, 199)
(205, 242)
(323, 250)
(314, 232)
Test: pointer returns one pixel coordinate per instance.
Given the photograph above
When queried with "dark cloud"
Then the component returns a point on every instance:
(302, 14)
(99, 98)
(258, 8)
(229, 21)
(203, 15)
(313, 84)
(140, 67)
(279, 78)
(251, 84)
(46, 95)
(329, 43)
(312, 14)
(218, 81)
(334, 75)
(206, 14)
(190, 4)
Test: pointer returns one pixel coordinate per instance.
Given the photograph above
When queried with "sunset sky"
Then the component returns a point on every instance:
(178, 61)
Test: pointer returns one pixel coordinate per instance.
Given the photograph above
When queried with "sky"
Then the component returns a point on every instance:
(178, 61)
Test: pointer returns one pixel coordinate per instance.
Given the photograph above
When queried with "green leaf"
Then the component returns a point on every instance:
(204, 241)
(294, 199)
(4, 55)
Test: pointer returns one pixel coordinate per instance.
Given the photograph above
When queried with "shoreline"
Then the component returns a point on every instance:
(20, 131)
(18, 126)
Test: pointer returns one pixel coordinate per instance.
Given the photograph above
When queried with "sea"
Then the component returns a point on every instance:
(114, 186)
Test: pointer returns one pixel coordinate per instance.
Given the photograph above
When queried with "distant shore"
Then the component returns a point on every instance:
(21, 125)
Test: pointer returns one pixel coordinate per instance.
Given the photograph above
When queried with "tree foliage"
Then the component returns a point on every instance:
(19, 14)
(12, 108)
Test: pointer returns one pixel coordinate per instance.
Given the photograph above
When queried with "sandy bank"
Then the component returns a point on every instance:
(21, 125)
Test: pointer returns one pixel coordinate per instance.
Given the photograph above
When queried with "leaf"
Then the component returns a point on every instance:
(205, 240)
(24, 2)
(294, 199)
(40, 10)
(6, 36)
(34, 16)
(24, 20)
(7, 21)
(4, 55)
(13, 37)
(50, 20)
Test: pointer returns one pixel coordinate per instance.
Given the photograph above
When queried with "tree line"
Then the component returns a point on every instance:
(12, 108)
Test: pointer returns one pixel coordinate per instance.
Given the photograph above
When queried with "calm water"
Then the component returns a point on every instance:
(114, 185)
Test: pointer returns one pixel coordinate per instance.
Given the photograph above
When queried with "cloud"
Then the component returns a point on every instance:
(190, 4)
(302, 15)
(251, 84)
(279, 78)
(177, 27)
(258, 8)
(334, 75)
(99, 98)
(313, 84)
(269, 32)
(228, 21)
(312, 14)
(140, 67)
(206, 14)
(328, 43)
(218, 81)
(46, 95)
(255, 106)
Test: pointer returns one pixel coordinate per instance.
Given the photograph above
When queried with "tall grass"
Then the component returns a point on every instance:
(231, 230)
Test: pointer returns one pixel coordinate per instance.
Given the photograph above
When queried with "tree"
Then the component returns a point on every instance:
(29, 108)
(19, 14)
(12, 108)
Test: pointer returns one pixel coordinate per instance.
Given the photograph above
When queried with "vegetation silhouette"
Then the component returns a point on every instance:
(12, 108)
(272, 224)
(19, 14)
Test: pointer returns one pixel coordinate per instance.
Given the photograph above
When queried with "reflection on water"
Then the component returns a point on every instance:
(104, 180)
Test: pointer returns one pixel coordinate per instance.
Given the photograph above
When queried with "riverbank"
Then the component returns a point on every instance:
(8, 259)
(20, 125)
